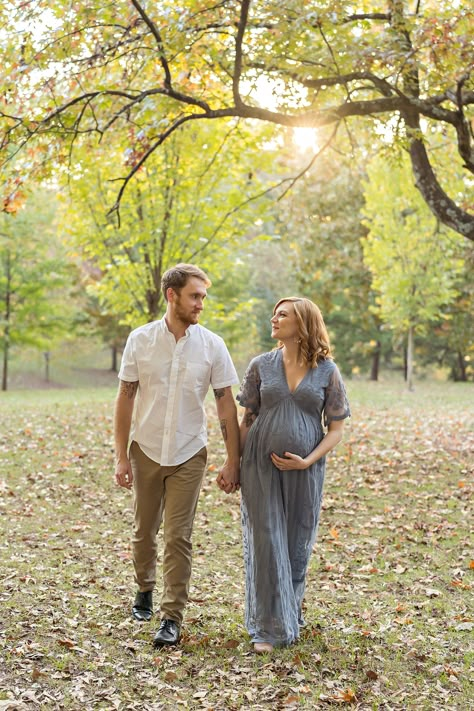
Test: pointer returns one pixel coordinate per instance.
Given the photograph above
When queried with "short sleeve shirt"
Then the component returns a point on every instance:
(169, 423)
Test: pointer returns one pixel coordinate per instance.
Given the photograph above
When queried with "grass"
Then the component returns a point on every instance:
(389, 595)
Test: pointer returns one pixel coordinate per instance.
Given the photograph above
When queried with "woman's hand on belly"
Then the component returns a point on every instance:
(289, 461)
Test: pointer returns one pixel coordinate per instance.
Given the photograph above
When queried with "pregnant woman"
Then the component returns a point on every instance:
(288, 394)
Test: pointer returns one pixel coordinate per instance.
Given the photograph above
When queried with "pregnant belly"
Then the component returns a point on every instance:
(295, 440)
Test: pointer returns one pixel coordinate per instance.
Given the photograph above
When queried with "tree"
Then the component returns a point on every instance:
(193, 202)
(452, 339)
(92, 68)
(33, 274)
(321, 229)
(413, 260)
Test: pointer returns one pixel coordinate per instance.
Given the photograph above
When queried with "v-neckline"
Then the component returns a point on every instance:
(292, 392)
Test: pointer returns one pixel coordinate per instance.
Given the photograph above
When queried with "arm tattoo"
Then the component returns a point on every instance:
(223, 424)
(219, 393)
(249, 419)
(128, 389)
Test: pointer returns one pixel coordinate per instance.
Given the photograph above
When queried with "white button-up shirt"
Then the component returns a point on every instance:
(169, 422)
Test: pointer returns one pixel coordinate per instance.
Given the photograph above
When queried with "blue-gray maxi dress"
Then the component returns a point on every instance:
(280, 509)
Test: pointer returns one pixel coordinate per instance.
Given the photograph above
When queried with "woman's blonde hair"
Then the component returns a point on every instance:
(313, 339)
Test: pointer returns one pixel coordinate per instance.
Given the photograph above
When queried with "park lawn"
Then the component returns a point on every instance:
(389, 597)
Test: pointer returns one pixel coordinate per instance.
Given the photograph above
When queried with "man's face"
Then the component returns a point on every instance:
(188, 304)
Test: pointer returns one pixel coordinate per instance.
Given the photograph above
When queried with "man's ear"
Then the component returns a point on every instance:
(170, 294)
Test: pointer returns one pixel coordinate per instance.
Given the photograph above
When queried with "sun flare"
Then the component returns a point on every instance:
(305, 139)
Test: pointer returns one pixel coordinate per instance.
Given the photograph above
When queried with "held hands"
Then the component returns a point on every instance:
(288, 462)
(124, 474)
(228, 478)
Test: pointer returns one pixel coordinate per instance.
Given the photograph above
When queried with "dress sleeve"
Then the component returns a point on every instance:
(336, 404)
(249, 394)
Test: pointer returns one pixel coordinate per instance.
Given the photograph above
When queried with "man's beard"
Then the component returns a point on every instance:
(187, 317)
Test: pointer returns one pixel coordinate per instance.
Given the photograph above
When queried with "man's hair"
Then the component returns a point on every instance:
(177, 277)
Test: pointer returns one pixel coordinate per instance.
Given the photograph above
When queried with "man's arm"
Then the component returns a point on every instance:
(228, 477)
(122, 422)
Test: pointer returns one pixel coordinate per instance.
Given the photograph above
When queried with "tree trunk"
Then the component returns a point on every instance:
(462, 368)
(442, 206)
(6, 337)
(113, 367)
(46, 366)
(374, 371)
(410, 359)
(5, 362)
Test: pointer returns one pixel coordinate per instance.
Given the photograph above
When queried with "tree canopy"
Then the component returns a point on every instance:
(193, 201)
(414, 262)
(34, 280)
(73, 69)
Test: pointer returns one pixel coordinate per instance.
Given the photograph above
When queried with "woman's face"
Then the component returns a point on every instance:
(284, 323)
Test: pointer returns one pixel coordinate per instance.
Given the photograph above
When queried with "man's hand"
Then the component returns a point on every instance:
(228, 478)
(123, 473)
(122, 421)
(229, 475)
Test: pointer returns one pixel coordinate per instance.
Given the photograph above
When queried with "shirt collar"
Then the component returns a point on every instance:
(187, 333)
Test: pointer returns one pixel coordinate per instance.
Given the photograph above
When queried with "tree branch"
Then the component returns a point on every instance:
(442, 206)
(385, 88)
(385, 16)
(463, 129)
(156, 34)
(176, 124)
(244, 11)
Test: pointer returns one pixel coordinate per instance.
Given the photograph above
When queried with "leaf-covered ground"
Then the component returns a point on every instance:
(389, 600)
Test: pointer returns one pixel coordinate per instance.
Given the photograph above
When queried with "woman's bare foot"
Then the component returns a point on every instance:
(263, 647)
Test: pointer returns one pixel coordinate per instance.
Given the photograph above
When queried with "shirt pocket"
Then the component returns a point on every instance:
(197, 376)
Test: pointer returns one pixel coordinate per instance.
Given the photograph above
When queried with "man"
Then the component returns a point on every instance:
(167, 366)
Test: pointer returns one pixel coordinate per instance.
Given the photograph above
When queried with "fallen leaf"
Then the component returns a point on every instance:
(66, 643)
(290, 700)
(230, 644)
(347, 696)
(170, 676)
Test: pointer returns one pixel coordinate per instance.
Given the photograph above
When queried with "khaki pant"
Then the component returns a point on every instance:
(171, 494)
